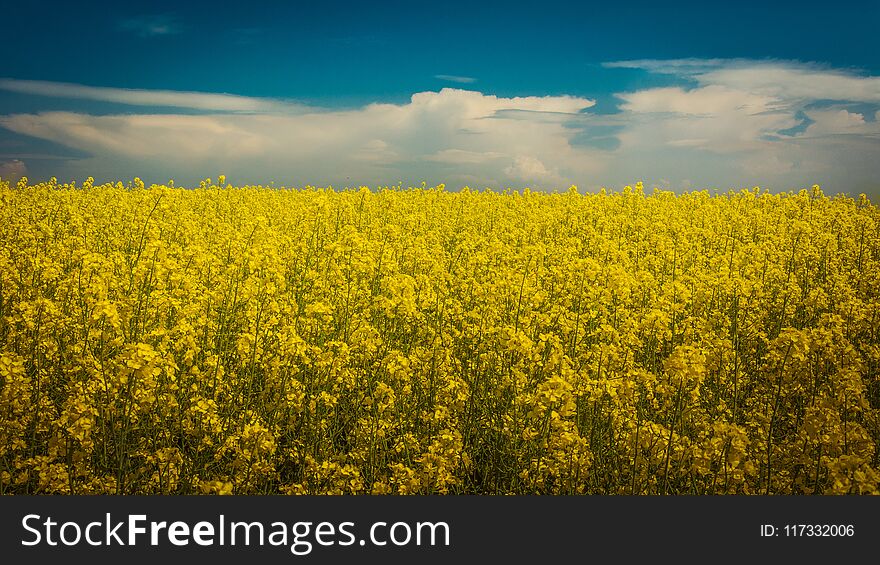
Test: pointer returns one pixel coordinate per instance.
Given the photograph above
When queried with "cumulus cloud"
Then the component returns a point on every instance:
(768, 122)
(437, 136)
(530, 170)
(12, 170)
(840, 121)
(728, 123)
(715, 118)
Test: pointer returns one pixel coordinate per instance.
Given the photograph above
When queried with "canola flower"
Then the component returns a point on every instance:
(251, 340)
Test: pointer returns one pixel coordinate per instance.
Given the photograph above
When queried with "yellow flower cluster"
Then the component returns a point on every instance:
(248, 340)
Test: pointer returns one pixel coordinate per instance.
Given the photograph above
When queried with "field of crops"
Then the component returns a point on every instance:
(255, 340)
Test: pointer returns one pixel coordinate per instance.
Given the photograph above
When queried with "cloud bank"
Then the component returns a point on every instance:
(782, 123)
(436, 137)
(726, 123)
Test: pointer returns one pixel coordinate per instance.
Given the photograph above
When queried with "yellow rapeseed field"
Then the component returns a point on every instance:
(255, 340)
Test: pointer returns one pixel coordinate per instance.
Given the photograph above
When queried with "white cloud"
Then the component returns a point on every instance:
(668, 66)
(148, 135)
(442, 136)
(730, 124)
(12, 170)
(375, 151)
(141, 97)
(709, 100)
(796, 83)
(152, 26)
(738, 124)
(767, 164)
(789, 80)
(456, 78)
(529, 169)
(699, 142)
(713, 118)
(460, 157)
(837, 121)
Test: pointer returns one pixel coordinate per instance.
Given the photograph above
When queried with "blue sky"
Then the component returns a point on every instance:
(680, 95)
